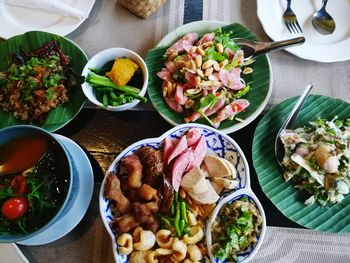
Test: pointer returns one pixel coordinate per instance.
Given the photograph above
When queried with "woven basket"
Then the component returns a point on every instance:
(142, 8)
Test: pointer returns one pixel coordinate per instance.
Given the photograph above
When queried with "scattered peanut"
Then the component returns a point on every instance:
(247, 70)
(198, 61)
(219, 48)
(189, 104)
(216, 66)
(197, 81)
(200, 51)
(173, 55)
(207, 64)
(182, 193)
(200, 73)
(223, 63)
(208, 71)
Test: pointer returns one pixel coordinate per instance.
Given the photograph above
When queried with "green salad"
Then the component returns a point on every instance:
(317, 159)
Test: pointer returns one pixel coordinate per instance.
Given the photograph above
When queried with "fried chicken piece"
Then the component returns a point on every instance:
(148, 193)
(151, 224)
(125, 223)
(133, 167)
(113, 192)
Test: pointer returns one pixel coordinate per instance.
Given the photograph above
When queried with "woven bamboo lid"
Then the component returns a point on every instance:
(142, 8)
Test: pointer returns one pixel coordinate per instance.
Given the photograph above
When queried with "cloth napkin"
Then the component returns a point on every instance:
(52, 6)
(11, 254)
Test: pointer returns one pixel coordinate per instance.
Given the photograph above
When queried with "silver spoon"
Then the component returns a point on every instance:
(253, 48)
(288, 124)
(322, 21)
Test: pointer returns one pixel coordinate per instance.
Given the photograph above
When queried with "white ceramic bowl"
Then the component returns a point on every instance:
(99, 60)
(218, 144)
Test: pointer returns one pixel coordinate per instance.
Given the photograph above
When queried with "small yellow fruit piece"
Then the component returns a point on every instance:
(122, 71)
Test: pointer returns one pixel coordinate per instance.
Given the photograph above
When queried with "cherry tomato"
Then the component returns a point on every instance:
(18, 184)
(14, 208)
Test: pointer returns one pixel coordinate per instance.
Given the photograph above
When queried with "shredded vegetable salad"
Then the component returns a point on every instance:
(203, 77)
(317, 159)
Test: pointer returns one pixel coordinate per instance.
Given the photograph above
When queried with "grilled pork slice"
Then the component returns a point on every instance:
(229, 111)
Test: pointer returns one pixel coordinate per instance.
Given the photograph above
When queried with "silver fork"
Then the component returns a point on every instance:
(291, 21)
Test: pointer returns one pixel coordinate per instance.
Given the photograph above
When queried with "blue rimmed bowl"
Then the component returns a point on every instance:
(250, 252)
(217, 142)
(69, 180)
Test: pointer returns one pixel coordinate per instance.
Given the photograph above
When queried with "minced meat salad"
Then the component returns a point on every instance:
(35, 83)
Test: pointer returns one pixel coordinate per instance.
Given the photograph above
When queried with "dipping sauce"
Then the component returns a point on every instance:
(42, 188)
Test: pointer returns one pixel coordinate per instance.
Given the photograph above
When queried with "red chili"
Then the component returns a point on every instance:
(18, 184)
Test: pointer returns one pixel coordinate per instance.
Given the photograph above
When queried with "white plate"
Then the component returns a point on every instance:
(18, 20)
(85, 187)
(317, 47)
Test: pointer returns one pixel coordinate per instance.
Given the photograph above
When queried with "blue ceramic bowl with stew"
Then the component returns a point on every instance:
(36, 182)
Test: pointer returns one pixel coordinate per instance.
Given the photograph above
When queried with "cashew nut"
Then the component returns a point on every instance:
(147, 240)
(164, 239)
(197, 234)
(125, 244)
(179, 250)
(194, 252)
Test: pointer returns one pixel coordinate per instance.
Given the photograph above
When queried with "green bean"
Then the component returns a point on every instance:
(166, 221)
(172, 208)
(105, 100)
(113, 96)
(129, 99)
(103, 88)
(182, 226)
(176, 197)
(177, 220)
(115, 104)
(184, 212)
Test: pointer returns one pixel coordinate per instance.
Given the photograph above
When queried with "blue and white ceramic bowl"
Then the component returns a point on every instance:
(253, 249)
(18, 131)
(218, 143)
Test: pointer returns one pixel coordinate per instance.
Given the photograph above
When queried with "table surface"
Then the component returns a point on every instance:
(103, 135)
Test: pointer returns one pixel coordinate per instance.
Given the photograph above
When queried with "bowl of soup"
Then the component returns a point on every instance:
(36, 181)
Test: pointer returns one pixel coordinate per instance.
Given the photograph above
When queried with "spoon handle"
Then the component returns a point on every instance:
(265, 47)
(297, 107)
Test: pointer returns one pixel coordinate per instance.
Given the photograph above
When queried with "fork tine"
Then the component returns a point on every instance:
(298, 26)
(288, 27)
(294, 28)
